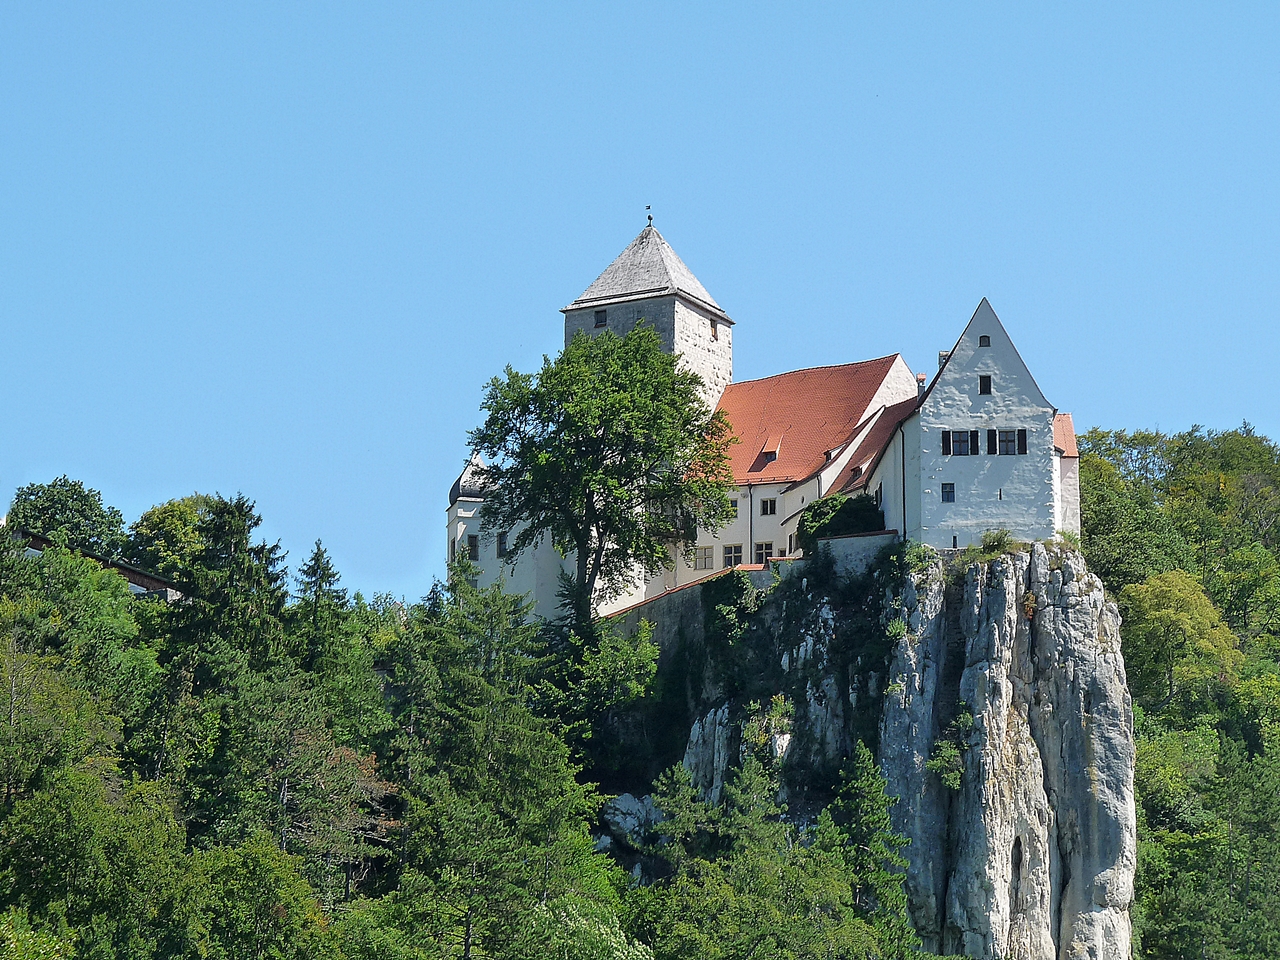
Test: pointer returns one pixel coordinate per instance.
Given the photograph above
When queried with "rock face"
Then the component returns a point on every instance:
(1033, 857)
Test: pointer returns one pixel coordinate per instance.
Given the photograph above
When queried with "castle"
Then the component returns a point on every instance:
(978, 448)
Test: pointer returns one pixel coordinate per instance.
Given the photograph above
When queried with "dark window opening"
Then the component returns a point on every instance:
(984, 341)
(879, 495)
(992, 447)
(948, 493)
(763, 551)
(502, 544)
(984, 384)
(770, 456)
(1022, 441)
(955, 542)
(768, 508)
(602, 317)
(960, 443)
(715, 331)
(733, 509)
(473, 547)
(453, 550)
(1000, 494)
(733, 555)
(1008, 442)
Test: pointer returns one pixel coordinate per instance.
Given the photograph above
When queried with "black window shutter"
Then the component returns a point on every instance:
(946, 442)
(1022, 441)
(992, 449)
(973, 443)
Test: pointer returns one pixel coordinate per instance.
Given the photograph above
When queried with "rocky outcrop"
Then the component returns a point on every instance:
(1026, 849)
(1033, 857)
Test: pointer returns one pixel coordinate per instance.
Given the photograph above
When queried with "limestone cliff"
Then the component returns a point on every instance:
(1023, 841)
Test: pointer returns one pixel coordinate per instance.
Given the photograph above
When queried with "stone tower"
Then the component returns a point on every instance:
(649, 281)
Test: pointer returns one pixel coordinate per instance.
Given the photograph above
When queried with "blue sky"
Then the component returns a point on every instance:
(279, 248)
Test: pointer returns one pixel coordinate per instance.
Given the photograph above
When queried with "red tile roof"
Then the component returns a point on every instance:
(873, 445)
(1064, 435)
(800, 415)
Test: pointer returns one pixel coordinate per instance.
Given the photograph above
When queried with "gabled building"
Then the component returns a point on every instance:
(979, 448)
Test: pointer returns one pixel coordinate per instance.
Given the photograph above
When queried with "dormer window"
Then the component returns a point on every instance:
(984, 341)
(984, 384)
(602, 317)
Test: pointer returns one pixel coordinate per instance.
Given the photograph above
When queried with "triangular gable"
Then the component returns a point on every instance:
(966, 358)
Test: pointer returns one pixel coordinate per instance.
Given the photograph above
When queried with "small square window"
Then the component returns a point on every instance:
(1008, 443)
(733, 509)
(702, 558)
(984, 341)
(733, 555)
(984, 384)
(763, 551)
(948, 493)
(769, 507)
(602, 317)
(502, 544)
(473, 547)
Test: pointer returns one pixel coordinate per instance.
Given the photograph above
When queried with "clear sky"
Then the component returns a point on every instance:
(279, 248)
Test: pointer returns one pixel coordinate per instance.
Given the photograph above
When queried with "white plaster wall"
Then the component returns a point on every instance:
(888, 476)
(899, 384)
(1069, 494)
(1013, 492)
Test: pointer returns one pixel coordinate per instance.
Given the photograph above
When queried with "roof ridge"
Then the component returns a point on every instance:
(824, 366)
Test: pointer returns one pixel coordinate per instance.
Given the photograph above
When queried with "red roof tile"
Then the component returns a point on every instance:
(873, 445)
(798, 416)
(1064, 435)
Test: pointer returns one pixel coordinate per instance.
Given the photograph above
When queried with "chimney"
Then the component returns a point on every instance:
(921, 381)
(943, 356)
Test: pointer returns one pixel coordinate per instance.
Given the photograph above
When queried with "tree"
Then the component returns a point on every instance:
(67, 508)
(1174, 640)
(609, 451)
(166, 538)
(320, 609)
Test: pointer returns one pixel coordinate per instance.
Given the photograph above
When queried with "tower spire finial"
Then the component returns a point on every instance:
(648, 207)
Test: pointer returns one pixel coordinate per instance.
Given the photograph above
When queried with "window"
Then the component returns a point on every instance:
(733, 555)
(984, 384)
(453, 550)
(1022, 441)
(473, 547)
(769, 508)
(879, 494)
(502, 544)
(770, 456)
(733, 509)
(948, 493)
(984, 341)
(702, 558)
(960, 443)
(715, 331)
(763, 552)
(602, 317)
(992, 444)
(1008, 443)
(791, 543)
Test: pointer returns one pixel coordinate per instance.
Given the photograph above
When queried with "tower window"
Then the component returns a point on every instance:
(715, 331)
(502, 544)
(984, 341)
(473, 547)
(602, 317)
(948, 493)
(768, 508)
(984, 383)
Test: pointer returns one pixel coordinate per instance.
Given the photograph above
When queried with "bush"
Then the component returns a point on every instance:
(836, 515)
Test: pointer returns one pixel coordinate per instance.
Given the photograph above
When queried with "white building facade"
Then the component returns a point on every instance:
(979, 448)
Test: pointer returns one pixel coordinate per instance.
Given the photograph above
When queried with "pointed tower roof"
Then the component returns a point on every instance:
(469, 485)
(647, 268)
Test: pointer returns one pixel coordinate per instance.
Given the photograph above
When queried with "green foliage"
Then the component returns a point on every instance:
(166, 538)
(947, 757)
(609, 451)
(18, 941)
(66, 510)
(837, 515)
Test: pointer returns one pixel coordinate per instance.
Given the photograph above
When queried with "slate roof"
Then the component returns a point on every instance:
(1064, 435)
(468, 486)
(647, 268)
(801, 415)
